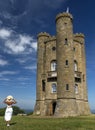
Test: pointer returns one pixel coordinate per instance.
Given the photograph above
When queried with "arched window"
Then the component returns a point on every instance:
(66, 62)
(54, 89)
(66, 41)
(75, 65)
(76, 88)
(67, 86)
(53, 65)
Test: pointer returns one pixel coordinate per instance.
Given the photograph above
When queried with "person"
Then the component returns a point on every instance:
(9, 100)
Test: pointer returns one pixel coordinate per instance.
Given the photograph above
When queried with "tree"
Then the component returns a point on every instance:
(17, 110)
(2, 111)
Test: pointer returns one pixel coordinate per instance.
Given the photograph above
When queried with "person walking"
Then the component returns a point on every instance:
(9, 100)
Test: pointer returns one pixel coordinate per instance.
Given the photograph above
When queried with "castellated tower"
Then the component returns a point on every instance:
(61, 72)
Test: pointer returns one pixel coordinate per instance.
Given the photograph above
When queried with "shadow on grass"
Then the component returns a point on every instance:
(13, 123)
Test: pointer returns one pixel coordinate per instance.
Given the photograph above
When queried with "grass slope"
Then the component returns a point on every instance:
(33, 123)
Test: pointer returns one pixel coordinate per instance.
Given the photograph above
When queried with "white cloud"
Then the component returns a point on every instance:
(23, 78)
(6, 15)
(20, 43)
(8, 73)
(14, 46)
(21, 61)
(25, 39)
(34, 45)
(24, 59)
(4, 79)
(16, 43)
(3, 62)
(5, 33)
(32, 67)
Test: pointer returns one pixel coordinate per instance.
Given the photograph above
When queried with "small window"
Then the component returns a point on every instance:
(75, 65)
(53, 65)
(54, 88)
(83, 77)
(54, 48)
(43, 85)
(65, 24)
(66, 41)
(74, 49)
(66, 62)
(76, 88)
(67, 86)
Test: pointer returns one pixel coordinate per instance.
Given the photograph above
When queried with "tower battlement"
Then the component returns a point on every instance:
(79, 37)
(44, 34)
(51, 38)
(64, 14)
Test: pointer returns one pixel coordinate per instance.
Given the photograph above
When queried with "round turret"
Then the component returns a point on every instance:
(64, 54)
(79, 37)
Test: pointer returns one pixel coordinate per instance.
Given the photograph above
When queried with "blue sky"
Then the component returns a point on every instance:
(20, 22)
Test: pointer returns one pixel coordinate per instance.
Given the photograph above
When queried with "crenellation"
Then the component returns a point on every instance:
(43, 34)
(79, 37)
(64, 15)
(51, 38)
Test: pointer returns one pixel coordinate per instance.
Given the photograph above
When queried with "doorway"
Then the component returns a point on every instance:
(53, 107)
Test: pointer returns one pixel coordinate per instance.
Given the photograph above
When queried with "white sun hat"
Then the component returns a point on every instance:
(9, 97)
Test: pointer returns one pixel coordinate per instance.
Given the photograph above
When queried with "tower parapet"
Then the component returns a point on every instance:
(51, 38)
(43, 34)
(64, 14)
(79, 37)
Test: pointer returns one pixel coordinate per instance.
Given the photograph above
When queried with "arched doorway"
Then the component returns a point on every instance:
(53, 107)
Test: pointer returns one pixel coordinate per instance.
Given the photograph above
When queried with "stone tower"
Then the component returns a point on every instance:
(61, 71)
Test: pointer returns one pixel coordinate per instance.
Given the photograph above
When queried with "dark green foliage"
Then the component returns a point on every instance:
(16, 110)
(30, 113)
(2, 111)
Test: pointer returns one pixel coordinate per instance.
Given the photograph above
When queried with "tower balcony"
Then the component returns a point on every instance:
(77, 74)
(52, 74)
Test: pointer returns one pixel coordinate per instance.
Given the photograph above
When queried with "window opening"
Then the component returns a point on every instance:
(54, 88)
(53, 65)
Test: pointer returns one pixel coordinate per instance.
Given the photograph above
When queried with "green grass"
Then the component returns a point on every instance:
(33, 123)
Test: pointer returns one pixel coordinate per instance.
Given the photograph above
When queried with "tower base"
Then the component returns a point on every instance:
(39, 109)
(83, 107)
(66, 108)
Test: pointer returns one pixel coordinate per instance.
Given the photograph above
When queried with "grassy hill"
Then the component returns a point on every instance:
(35, 123)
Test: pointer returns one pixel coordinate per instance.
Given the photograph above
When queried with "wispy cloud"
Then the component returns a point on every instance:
(3, 62)
(32, 67)
(23, 78)
(5, 33)
(4, 79)
(3, 73)
(25, 59)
